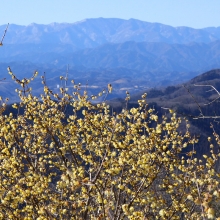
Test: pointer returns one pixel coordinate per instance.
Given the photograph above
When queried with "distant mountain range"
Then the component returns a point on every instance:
(113, 43)
(95, 32)
(130, 54)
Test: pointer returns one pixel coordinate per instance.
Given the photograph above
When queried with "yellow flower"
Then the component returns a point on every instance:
(211, 213)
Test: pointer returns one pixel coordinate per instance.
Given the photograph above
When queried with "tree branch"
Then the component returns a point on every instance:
(1, 43)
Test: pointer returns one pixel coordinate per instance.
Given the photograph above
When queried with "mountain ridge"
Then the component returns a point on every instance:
(113, 43)
(94, 32)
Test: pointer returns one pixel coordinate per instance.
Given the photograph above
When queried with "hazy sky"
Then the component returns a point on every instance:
(192, 13)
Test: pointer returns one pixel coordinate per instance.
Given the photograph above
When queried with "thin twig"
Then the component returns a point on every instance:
(1, 43)
(66, 78)
(194, 100)
(209, 86)
(213, 88)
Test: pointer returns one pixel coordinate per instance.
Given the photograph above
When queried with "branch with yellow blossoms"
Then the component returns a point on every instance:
(66, 157)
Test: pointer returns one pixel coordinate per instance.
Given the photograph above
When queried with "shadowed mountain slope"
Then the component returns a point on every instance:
(142, 56)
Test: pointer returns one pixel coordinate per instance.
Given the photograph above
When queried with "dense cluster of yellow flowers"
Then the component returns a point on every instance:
(96, 164)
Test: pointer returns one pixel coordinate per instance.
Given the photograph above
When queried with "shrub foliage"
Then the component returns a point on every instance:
(95, 164)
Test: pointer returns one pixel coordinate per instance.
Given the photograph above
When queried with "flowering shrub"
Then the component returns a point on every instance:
(96, 164)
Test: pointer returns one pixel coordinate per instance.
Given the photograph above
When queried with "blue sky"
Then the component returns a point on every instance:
(192, 13)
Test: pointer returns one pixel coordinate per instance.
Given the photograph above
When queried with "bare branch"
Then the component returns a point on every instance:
(194, 100)
(1, 43)
(213, 88)
(209, 86)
